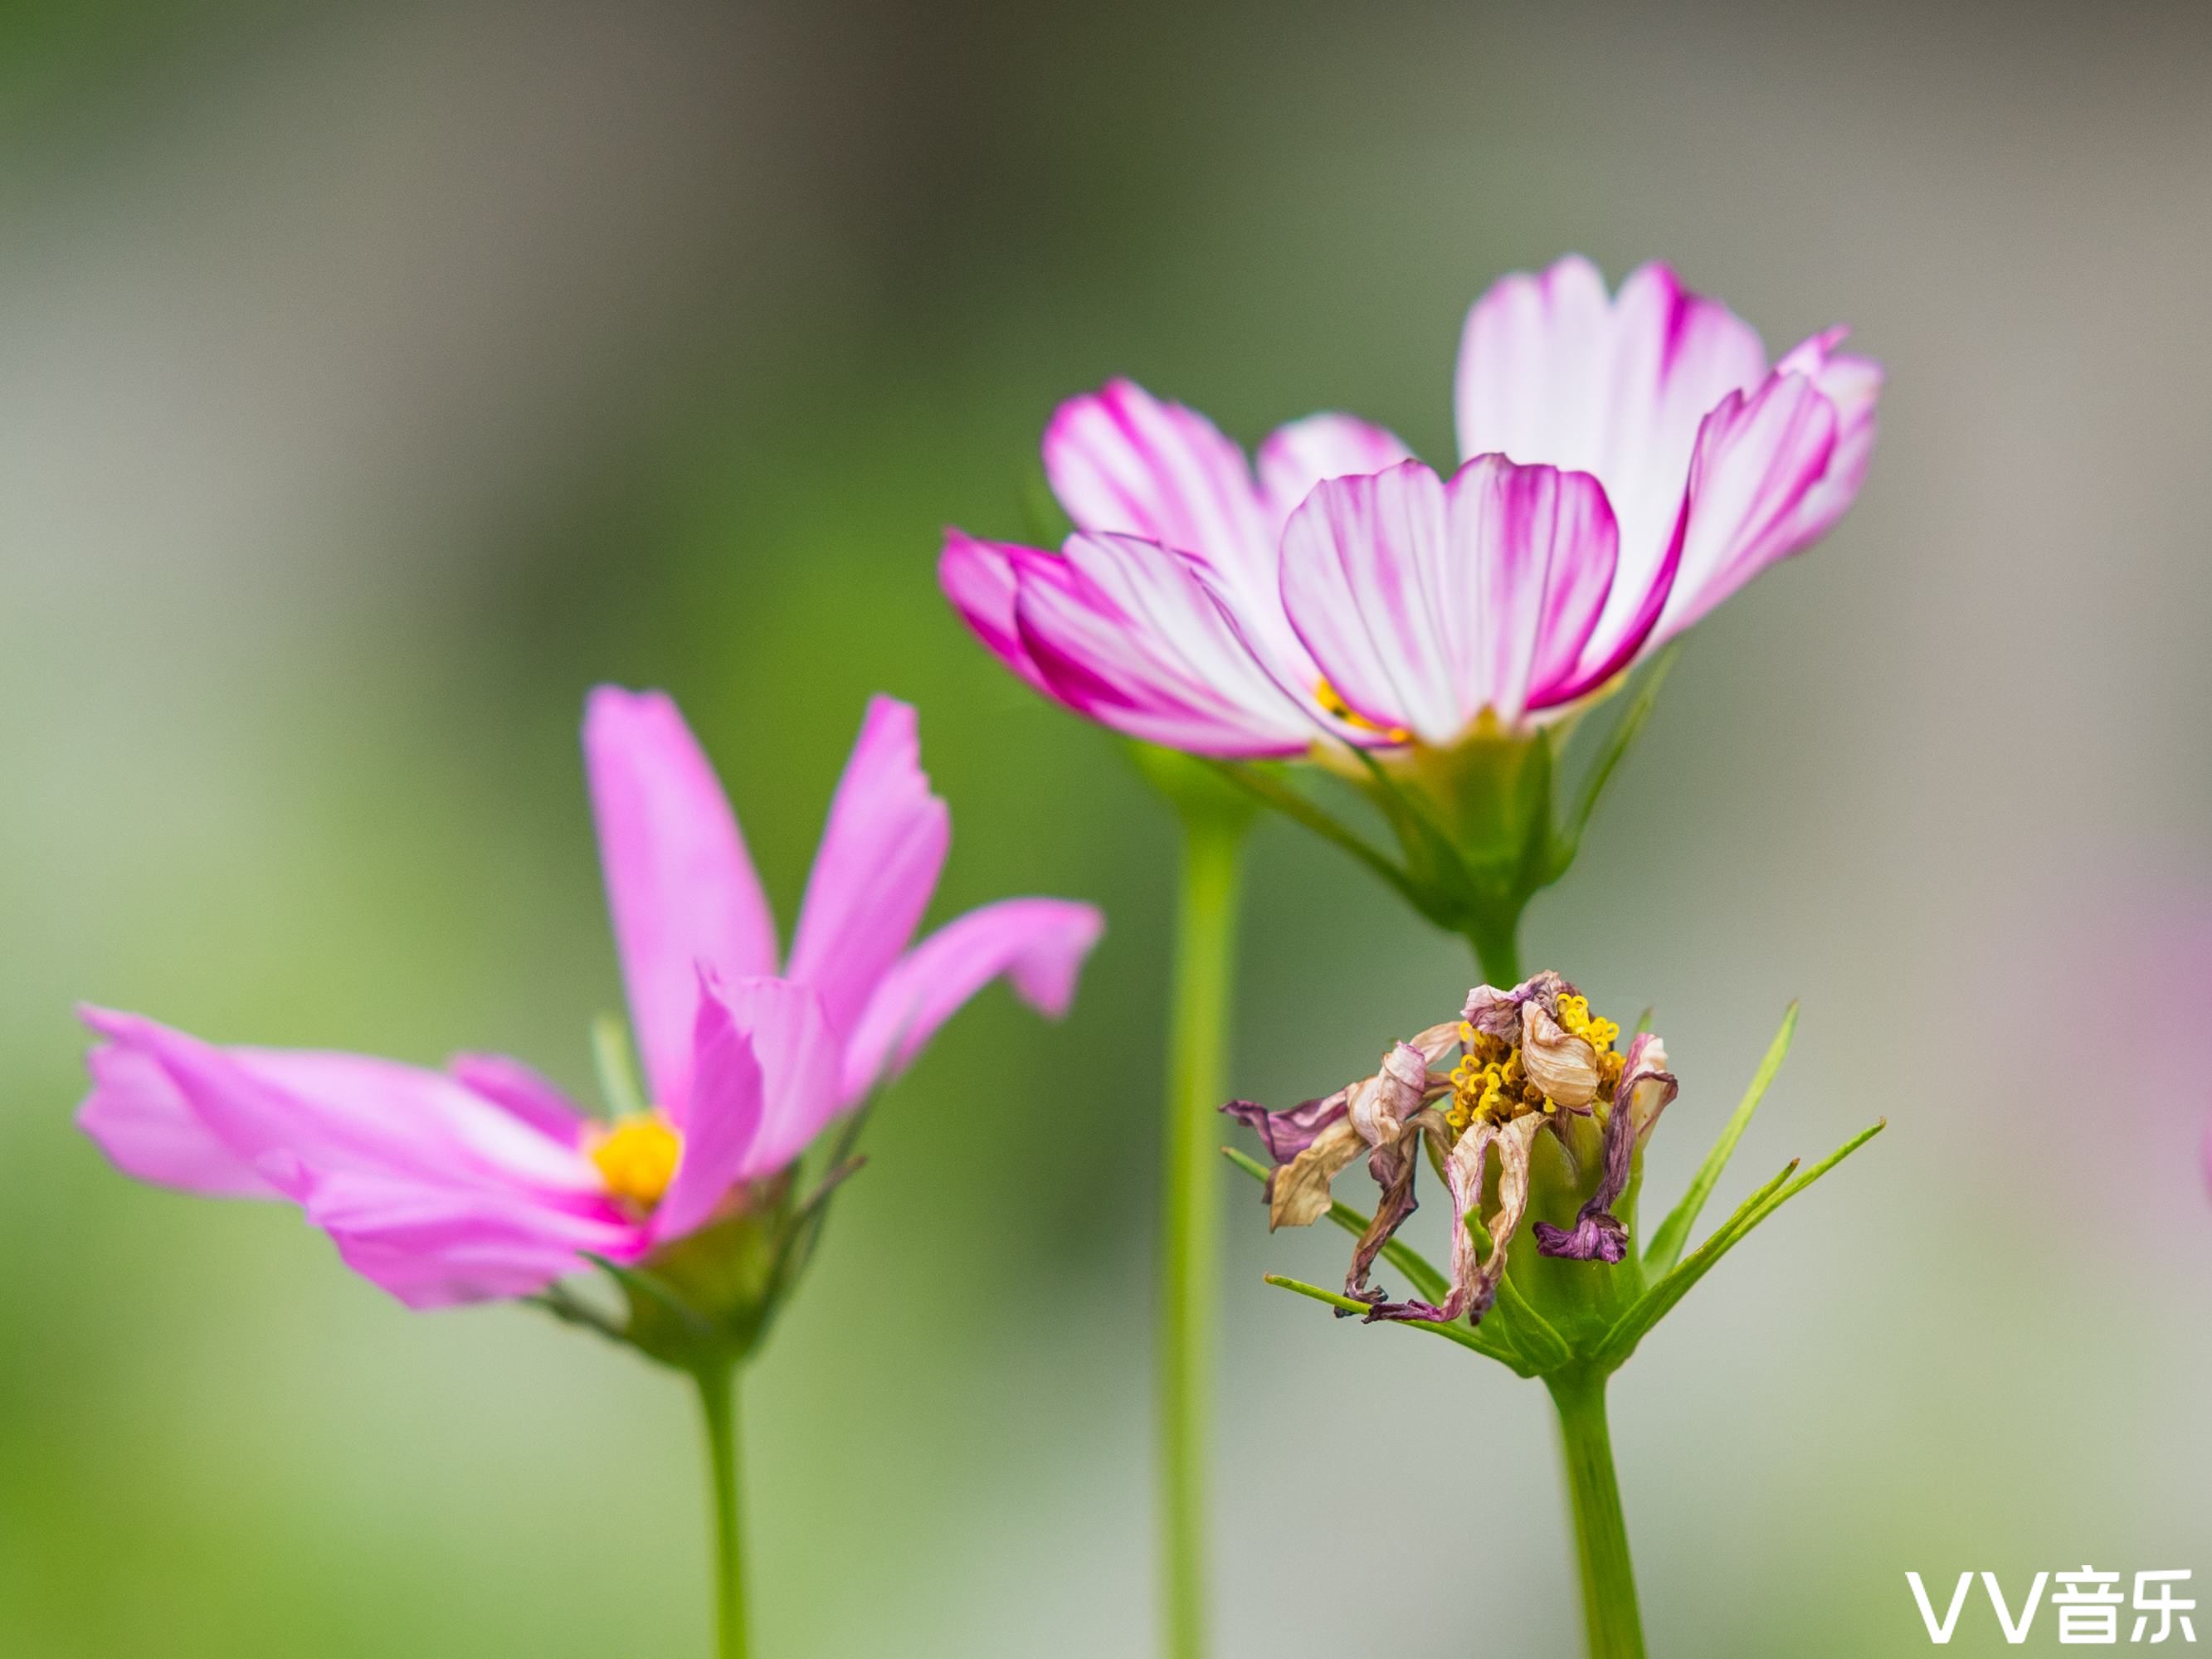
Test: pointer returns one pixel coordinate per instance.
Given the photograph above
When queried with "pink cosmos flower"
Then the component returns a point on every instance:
(1631, 461)
(485, 1180)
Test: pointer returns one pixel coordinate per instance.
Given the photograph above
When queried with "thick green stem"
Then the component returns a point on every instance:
(1206, 942)
(718, 1401)
(1497, 951)
(1601, 1533)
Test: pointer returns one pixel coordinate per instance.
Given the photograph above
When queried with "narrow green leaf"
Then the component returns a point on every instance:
(617, 1067)
(1656, 1303)
(1625, 732)
(1643, 1022)
(1428, 1284)
(1466, 1335)
(1666, 1246)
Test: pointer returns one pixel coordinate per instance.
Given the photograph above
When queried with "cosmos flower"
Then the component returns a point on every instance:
(1631, 461)
(485, 1180)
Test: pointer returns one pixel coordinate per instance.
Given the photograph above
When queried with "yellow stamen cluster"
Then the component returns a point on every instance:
(636, 1157)
(1331, 700)
(1490, 1082)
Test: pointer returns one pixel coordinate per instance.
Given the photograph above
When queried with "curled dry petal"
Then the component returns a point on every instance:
(1646, 1083)
(1297, 1194)
(1474, 1281)
(1561, 1064)
(1644, 1090)
(1380, 1104)
(1498, 1013)
(1394, 1167)
(1288, 1133)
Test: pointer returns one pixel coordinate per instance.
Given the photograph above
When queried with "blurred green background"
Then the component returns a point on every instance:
(374, 380)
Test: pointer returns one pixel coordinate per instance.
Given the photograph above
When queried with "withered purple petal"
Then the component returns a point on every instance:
(1290, 1132)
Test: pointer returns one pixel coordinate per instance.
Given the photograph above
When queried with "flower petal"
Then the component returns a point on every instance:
(1853, 385)
(1290, 1131)
(877, 865)
(981, 580)
(1297, 456)
(334, 1111)
(1123, 462)
(1039, 942)
(437, 1247)
(142, 1121)
(1758, 460)
(1133, 638)
(798, 1053)
(1424, 603)
(680, 887)
(1551, 369)
(522, 1091)
(728, 1096)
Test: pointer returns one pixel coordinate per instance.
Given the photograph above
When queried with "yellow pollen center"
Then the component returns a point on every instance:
(1491, 1082)
(636, 1157)
(1331, 700)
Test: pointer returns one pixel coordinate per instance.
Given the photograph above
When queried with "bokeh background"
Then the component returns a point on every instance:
(375, 379)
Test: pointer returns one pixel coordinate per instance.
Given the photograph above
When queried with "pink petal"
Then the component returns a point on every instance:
(1038, 942)
(1425, 603)
(981, 579)
(726, 1096)
(680, 887)
(522, 1091)
(139, 1117)
(1123, 462)
(1551, 370)
(1371, 583)
(1132, 638)
(1853, 385)
(436, 1247)
(331, 1111)
(1297, 456)
(1757, 460)
(797, 1054)
(877, 867)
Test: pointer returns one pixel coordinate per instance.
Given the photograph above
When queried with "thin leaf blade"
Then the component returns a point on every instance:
(1666, 1246)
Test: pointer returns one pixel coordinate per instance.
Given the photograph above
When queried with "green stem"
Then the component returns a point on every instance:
(718, 1401)
(1497, 951)
(1601, 1534)
(1206, 942)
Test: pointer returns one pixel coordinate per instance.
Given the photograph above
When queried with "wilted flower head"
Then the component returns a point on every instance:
(1631, 460)
(486, 1180)
(1534, 1060)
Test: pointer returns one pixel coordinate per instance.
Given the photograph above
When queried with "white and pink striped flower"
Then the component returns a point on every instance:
(1631, 461)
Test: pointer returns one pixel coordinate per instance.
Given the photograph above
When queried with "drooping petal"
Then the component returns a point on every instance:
(522, 1091)
(1424, 604)
(981, 579)
(1123, 462)
(436, 1247)
(1553, 370)
(142, 1121)
(878, 862)
(727, 1100)
(680, 887)
(1757, 460)
(1039, 943)
(1298, 1192)
(337, 1111)
(1133, 638)
(1394, 1166)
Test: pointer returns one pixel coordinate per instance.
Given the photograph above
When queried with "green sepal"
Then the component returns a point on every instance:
(1665, 1248)
(1626, 730)
(1659, 1301)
